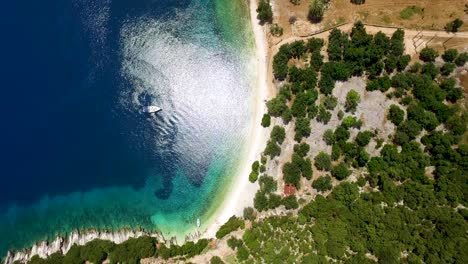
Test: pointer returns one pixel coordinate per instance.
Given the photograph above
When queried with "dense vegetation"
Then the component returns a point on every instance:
(129, 252)
(396, 210)
(264, 12)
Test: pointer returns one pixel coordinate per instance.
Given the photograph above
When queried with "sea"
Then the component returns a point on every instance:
(76, 150)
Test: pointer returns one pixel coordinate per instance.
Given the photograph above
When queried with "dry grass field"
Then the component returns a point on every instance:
(429, 14)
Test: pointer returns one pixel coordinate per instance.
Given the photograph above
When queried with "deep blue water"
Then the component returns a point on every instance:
(74, 75)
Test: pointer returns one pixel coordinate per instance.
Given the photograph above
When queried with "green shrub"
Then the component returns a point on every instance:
(249, 213)
(233, 242)
(272, 149)
(323, 161)
(352, 101)
(253, 176)
(132, 250)
(447, 68)
(290, 202)
(231, 225)
(276, 30)
(409, 11)
(301, 149)
(216, 260)
(316, 10)
(330, 102)
(428, 54)
(329, 137)
(302, 128)
(454, 25)
(450, 55)
(264, 12)
(363, 138)
(266, 120)
(322, 184)
(396, 115)
(461, 59)
(96, 251)
(341, 171)
(341, 134)
(323, 116)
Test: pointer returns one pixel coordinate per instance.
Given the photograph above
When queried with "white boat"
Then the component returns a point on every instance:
(198, 222)
(151, 109)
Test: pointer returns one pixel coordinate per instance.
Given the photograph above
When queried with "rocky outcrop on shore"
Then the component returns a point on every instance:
(62, 245)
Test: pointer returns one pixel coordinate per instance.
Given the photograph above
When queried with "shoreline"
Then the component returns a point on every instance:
(60, 244)
(240, 191)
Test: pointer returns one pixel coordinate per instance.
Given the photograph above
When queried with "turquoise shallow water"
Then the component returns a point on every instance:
(193, 59)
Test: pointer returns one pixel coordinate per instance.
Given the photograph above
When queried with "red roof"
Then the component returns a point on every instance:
(289, 189)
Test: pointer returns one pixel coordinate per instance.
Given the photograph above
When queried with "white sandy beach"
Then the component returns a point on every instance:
(242, 192)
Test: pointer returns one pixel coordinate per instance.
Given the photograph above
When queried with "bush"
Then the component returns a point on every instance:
(397, 45)
(352, 101)
(301, 149)
(336, 152)
(403, 61)
(233, 243)
(461, 59)
(329, 137)
(267, 184)
(272, 149)
(447, 68)
(316, 10)
(292, 174)
(428, 54)
(396, 115)
(410, 128)
(278, 134)
(450, 55)
(358, 2)
(430, 70)
(323, 115)
(323, 161)
(96, 251)
(277, 106)
(409, 11)
(290, 202)
(276, 30)
(363, 138)
(341, 134)
(232, 224)
(454, 25)
(216, 260)
(266, 120)
(302, 128)
(323, 184)
(261, 201)
(264, 12)
(132, 250)
(242, 253)
(253, 176)
(330, 102)
(341, 171)
(249, 214)
(351, 121)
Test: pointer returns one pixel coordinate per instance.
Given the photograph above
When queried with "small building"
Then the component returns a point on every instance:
(289, 189)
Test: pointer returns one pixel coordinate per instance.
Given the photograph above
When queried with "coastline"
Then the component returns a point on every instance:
(44, 248)
(240, 192)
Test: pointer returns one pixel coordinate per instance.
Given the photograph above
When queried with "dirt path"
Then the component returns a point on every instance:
(409, 33)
